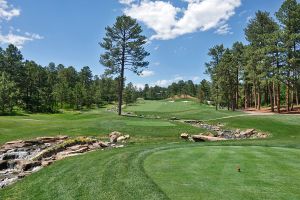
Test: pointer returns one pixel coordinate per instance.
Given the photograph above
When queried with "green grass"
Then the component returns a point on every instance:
(156, 164)
(210, 172)
(180, 109)
(90, 123)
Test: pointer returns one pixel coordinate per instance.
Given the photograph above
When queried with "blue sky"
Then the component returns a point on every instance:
(181, 31)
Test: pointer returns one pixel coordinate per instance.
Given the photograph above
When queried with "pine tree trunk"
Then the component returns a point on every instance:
(255, 97)
(292, 99)
(258, 100)
(237, 89)
(245, 97)
(266, 95)
(278, 97)
(271, 97)
(274, 94)
(297, 97)
(121, 81)
(217, 99)
(287, 97)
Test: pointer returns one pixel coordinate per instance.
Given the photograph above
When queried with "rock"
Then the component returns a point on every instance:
(113, 136)
(123, 138)
(3, 164)
(215, 128)
(31, 142)
(29, 165)
(62, 137)
(13, 145)
(247, 133)
(47, 163)
(184, 136)
(203, 138)
(47, 139)
(103, 144)
(14, 142)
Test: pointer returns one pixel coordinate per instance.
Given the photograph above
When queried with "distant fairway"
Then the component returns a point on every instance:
(156, 164)
(181, 108)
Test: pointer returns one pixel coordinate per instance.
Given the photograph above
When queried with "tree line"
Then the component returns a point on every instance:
(28, 86)
(264, 72)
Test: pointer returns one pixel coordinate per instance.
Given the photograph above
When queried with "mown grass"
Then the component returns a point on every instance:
(156, 164)
(90, 123)
(211, 172)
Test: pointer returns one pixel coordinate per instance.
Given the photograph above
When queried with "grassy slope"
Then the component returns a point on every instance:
(210, 172)
(120, 173)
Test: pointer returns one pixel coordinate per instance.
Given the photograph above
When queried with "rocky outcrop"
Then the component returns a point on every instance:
(116, 136)
(204, 138)
(219, 132)
(22, 157)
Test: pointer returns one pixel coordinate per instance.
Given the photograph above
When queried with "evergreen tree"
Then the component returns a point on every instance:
(124, 50)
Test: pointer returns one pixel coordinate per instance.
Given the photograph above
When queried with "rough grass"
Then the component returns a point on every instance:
(156, 164)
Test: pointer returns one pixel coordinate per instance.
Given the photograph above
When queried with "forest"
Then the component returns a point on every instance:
(28, 86)
(264, 72)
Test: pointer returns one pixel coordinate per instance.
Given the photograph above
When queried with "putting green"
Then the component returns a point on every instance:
(211, 172)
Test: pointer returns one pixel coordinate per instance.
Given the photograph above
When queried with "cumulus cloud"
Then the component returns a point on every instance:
(14, 36)
(199, 15)
(18, 40)
(7, 12)
(147, 73)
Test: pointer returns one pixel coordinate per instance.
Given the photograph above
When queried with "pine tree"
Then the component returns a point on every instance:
(123, 43)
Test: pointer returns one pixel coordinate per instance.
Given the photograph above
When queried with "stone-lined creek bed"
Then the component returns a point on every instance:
(22, 157)
(219, 133)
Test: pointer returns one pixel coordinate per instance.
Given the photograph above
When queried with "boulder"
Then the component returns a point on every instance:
(203, 138)
(47, 139)
(103, 144)
(113, 136)
(184, 136)
(13, 145)
(47, 163)
(123, 138)
(247, 133)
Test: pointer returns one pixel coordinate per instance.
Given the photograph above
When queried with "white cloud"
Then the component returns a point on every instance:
(18, 40)
(195, 78)
(223, 30)
(200, 15)
(163, 83)
(147, 73)
(177, 77)
(128, 2)
(139, 85)
(7, 12)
